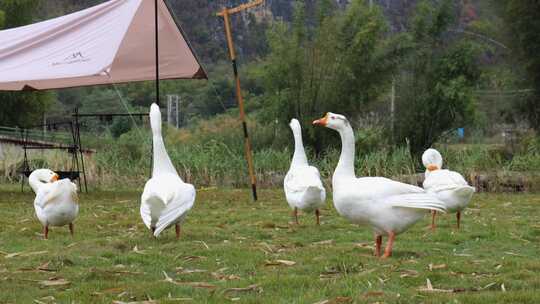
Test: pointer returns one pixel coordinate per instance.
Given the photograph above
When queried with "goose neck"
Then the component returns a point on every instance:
(35, 183)
(299, 156)
(345, 166)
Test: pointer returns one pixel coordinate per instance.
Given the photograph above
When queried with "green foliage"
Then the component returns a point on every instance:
(523, 20)
(32, 105)
(436, 85)
(2, 19)
(18, 12)
(344, 62)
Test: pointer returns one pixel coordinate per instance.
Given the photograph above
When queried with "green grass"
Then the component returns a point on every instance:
(230, 242)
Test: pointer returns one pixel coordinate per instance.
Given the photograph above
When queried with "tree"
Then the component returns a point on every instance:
(341, 63)
(435, 86)
(21, 108)
(523, 21)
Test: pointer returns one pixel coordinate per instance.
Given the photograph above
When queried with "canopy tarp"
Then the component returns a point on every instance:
(113, 42)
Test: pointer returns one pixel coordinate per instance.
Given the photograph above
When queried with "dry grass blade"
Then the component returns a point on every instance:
(136, 250)
(53, 282)
(280, 263)
(22, 254)
(253, 287)
(192, 284)
(436, 266)
(224, 277)
(139, 302)
(373, 294)
(182, 270)
(189, 258)
(204, 244)
(116, 271)
(406, 273)
(323, 243)
(45, 267)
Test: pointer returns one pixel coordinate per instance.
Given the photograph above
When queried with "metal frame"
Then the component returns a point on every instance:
(74, 149)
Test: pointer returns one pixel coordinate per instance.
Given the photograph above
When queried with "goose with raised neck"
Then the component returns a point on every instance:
(387, 206)
(448, 186)
(302, 184)
(166, 198)
(56, 202)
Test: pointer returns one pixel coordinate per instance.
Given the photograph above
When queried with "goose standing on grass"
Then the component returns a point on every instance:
(389, 207)
(303, 187)
(449, 186)
(56, 202)
(166, 199)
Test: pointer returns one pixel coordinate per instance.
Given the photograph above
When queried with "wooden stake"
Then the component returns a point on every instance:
(225, 13)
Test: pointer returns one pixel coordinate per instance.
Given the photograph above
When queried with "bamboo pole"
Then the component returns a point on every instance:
(225, 13)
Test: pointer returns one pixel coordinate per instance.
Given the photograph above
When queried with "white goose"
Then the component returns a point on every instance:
(389, 207)
(449, 186)
(56, 202)
(166, 199)
(303, 187)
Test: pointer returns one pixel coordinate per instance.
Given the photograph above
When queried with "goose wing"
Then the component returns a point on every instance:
(401, 195)
(176, 207)
(298, 179)
(444, 180)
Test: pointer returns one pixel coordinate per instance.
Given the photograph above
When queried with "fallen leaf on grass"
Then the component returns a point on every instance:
(373, 294)
(136, 250)
(253, 287)
(224, 277)
(22, 254)
(204, 244)
(280, 263)
(322, 243)
(140, 302)
(429, 288)
(115, 290)
(408, 273)
(192, 284)
(53, 282)
(337, 300)
(116, 271)
(489, 285)
(182, 270)
(439, 266)
(364, 245)
(189, 258)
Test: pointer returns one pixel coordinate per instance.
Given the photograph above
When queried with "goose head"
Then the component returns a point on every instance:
(155, 119)
(295, 125)
(333, 121)
(432, 160)
(44, 176)
(39, 177)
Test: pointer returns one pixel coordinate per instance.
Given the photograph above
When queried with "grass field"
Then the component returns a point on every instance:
(233, 250)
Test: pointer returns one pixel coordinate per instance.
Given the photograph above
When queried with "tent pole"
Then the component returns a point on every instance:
(157, 49)
(240, 99)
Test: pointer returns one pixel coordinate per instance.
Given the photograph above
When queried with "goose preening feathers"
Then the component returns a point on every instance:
(166, 198)
(56, 202)
(389, 207)
(449, 186)
(303, 187)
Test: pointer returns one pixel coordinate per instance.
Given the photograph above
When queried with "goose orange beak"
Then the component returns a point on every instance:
(55, 178)
(432, 167)
(322, 121)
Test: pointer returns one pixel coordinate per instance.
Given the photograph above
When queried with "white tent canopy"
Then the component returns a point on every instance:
(113, 42)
